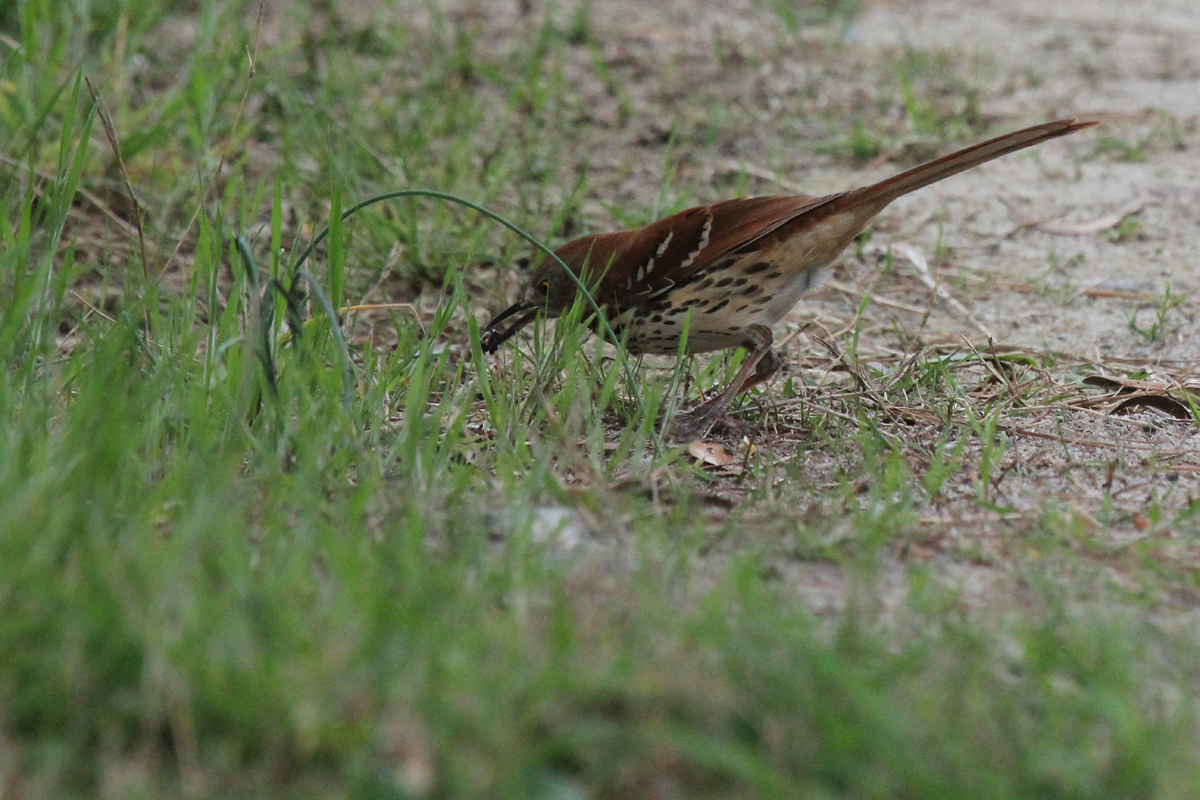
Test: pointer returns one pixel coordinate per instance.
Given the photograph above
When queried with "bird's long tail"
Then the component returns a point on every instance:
(909, 181)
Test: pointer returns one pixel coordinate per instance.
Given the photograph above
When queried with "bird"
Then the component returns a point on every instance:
(729, 271)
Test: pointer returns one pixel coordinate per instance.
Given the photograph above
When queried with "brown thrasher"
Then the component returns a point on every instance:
(729, 271)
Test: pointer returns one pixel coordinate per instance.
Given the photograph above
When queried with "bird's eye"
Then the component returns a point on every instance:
(544, 287)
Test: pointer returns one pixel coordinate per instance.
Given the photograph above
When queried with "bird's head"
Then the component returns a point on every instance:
(551, 292)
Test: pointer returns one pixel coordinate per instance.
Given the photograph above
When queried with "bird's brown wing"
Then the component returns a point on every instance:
(648, 261)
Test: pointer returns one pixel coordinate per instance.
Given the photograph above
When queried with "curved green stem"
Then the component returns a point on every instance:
(608, 331)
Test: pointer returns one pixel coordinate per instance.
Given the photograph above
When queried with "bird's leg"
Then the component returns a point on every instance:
(760, 365)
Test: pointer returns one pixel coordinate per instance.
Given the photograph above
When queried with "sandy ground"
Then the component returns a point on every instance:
(1135, 65)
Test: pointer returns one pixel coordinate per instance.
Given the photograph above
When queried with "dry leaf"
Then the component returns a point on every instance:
(710, 453)
(1130, 384)
(1161, 403)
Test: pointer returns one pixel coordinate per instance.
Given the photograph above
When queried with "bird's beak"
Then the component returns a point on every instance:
(490, 340)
